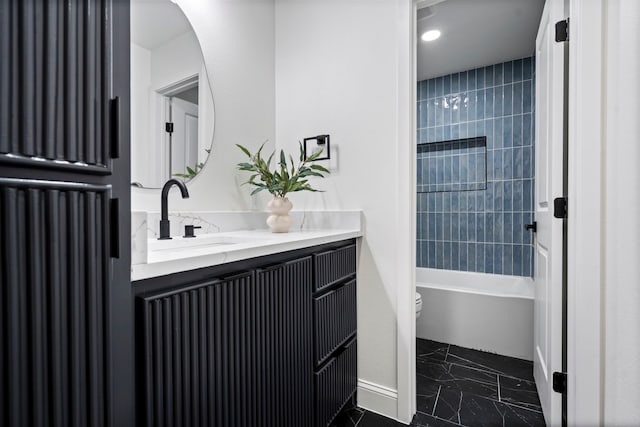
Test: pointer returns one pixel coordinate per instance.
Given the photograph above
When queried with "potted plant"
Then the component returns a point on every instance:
(284, 179)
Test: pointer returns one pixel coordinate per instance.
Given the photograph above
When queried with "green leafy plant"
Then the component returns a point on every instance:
(282, 179)
(192, 172)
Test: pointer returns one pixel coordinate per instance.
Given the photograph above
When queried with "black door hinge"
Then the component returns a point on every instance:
(560, 382)
(168, 127)
(560, 207)
(562, 31)
(533, 226)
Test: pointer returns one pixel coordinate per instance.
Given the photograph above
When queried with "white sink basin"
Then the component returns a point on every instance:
(195, 242)
(181, 247)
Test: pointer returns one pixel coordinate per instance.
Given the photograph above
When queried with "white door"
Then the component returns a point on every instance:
(548, 186)
(184, 139)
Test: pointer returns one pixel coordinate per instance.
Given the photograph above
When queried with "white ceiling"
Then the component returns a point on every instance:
(476, 33)
(155, 22)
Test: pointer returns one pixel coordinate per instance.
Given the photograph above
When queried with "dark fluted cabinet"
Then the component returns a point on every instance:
(65, 301)
(56, 81)
(247, 344)
(334, 331)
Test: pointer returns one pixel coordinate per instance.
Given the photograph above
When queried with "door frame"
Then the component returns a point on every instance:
(162, 102)
(602, 199)
(585, 201)
(405, 205)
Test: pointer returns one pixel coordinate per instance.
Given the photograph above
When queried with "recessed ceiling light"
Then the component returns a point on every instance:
(430, 35)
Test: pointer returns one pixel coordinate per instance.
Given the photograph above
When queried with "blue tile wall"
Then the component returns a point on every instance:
(456, 165)
(480, 229)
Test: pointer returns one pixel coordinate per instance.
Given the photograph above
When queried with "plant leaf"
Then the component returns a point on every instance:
(315, 155)
(244, 150)
(320, 168)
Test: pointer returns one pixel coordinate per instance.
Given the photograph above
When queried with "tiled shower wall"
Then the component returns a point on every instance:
(469, 229)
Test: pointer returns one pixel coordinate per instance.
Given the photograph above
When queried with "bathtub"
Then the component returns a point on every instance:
(489, 312)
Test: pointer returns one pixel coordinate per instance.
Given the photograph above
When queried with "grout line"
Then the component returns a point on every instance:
(516, 405)
(436, 402)
(360, 419)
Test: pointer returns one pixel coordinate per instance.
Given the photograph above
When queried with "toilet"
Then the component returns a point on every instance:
(418, 304)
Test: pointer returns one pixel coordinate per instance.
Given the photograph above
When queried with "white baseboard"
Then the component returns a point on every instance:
(378, 398)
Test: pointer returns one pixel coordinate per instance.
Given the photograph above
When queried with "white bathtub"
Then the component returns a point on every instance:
(488, 312)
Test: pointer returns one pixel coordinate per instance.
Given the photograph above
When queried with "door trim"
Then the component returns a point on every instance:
(585, 214)
(405, 205)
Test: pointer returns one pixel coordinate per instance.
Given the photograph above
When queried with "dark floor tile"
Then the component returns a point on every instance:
(369, 419)
(426, 395)
(348, 417)
(472, 410)
(467, 373)
(425, 420)
(456, 377)
(515, 416)
(431, 349)
(519, 392)
(508, 366)
(431, 368)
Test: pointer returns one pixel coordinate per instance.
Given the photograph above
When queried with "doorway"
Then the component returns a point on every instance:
(474, 200)
(180, 127)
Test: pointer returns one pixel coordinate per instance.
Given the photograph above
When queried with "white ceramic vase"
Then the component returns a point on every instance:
(279, 221)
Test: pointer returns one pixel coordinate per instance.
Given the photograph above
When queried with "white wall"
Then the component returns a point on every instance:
(175, 60)
(145, 161)
(338, 71)
(237, 40)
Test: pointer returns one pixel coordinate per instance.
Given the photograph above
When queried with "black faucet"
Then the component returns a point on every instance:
(165, 234)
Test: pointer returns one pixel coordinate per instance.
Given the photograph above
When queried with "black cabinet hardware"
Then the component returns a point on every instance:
(114, 219)
(114, 130)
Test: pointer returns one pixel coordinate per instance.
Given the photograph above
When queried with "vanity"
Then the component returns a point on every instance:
(236, 326)
(258, 331)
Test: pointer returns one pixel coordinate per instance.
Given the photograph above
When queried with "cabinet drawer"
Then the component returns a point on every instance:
(333, 266)
(335, 383)
(334, 319)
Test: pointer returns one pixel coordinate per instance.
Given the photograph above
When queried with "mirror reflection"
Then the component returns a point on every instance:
(171, 99)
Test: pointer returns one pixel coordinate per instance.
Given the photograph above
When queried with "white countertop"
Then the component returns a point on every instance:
(255, 243)
(228, 237)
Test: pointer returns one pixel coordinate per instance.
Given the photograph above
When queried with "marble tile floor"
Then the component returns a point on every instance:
(458, 386)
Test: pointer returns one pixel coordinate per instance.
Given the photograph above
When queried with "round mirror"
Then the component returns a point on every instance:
(171, 98)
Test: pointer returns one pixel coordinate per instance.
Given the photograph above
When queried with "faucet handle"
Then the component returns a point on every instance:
(189, 230)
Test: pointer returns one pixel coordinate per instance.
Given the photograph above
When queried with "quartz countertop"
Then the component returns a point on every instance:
(163, 257)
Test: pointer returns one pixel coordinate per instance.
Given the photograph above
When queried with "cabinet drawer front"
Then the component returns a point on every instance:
(334, 266)
(335, 383)
(335, 319)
